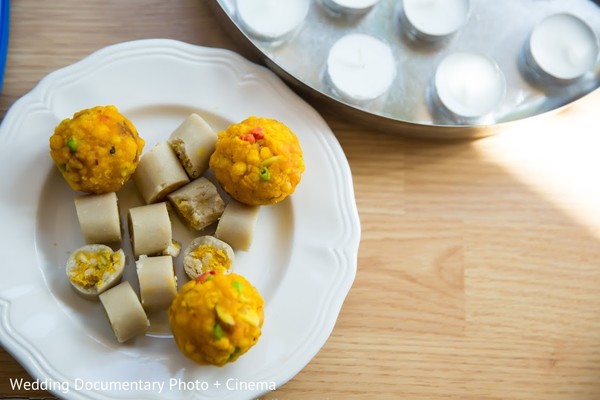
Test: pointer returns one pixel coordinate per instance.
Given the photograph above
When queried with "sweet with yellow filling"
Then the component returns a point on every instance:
(207, 253)
(94, 268)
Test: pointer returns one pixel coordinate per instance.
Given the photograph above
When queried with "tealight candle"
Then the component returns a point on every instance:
(563, 46)
(436, 19)
(360, 67)
(469, 85)
(271, 19)
(350, 6)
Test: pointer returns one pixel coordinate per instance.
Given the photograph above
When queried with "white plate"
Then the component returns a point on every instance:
(303, 259)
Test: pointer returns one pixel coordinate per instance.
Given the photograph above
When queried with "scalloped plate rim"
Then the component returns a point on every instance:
(344, 248)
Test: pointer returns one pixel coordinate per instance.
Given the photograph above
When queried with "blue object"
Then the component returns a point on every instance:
(4, 28)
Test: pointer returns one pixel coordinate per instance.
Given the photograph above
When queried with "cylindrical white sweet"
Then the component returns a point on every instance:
(360, 67)
(158, 285)
(271, 19)
(436, 19)
(158, 173)
(237, 224)
(150, 229)
(193, 141)
(124, 312)
(563, 46)
(98, 216)
(469, 85)
(350, 6)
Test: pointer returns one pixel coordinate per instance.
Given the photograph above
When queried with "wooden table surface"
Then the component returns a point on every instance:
(479, 264)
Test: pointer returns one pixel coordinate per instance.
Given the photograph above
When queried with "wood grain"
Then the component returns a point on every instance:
(479, 264)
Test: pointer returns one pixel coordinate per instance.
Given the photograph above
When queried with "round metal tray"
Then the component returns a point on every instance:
(497, 30)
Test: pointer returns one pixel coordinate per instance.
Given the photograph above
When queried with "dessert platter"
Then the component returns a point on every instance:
(455, 68)
(295, 271)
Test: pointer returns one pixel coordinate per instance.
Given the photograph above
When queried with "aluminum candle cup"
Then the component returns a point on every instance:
(350, 6)
(469, 86)
(563, 47)
(271, 19)
(435, 19)
(360, 67)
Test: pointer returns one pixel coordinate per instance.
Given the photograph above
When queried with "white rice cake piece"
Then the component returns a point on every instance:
(158, 284)
(124, 312)
(98, 216)
(150, 229)
(198, 203)
(193, 141)
(158, 173)
(237, 225)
